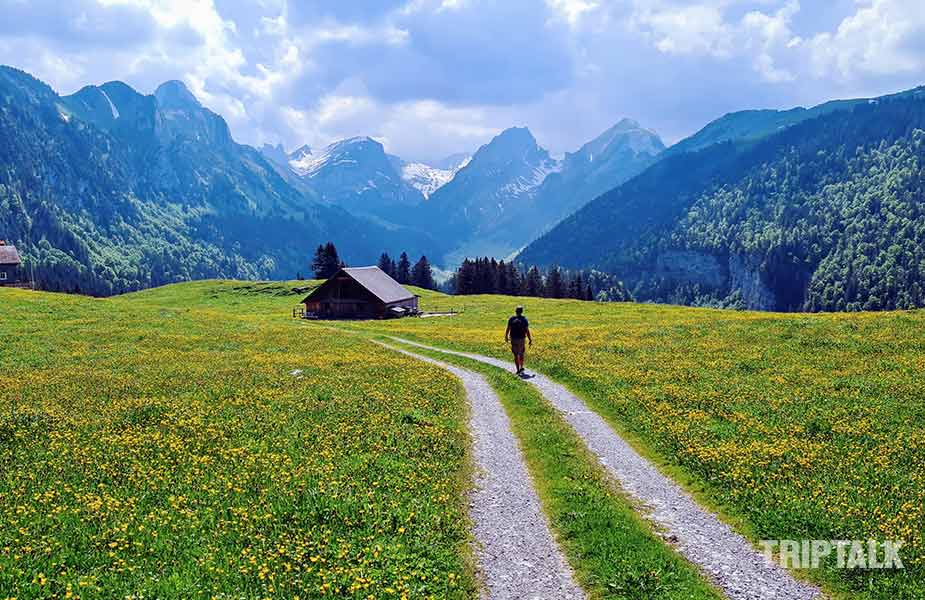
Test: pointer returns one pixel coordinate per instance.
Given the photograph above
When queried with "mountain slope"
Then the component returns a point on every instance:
(621, 152)
(753, 125)
(357, 175)
(485, 208)
(512, 190)
(827, 214)
(108, 190)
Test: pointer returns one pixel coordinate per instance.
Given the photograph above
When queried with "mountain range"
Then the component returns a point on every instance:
(492, 202)
(108, 190)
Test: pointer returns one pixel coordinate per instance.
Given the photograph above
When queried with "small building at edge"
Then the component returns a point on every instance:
(10, 264)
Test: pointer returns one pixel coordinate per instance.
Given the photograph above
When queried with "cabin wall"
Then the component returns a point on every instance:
(349, 310)
(344, 298)
(9, 274)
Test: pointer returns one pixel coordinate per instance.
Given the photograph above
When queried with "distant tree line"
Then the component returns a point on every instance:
(491, 276)
(487, 276)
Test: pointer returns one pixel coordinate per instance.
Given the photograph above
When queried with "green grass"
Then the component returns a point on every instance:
(156, 443)
(159, 445)
(793, 426)
(614, 553)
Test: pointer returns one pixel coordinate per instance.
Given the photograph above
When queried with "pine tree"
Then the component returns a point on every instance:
(319, 263)
(465, 278)
(334, 261)
(503, 285)
(533, 283)
(491, 276)
(326, 261)
(385, 263)
(403, 271)
(422, 275)
(576, 287)
(513, 279)
(589, 293)
(554, 286)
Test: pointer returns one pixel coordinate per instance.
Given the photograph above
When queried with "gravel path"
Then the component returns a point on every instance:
(517, 555)
(727, 557)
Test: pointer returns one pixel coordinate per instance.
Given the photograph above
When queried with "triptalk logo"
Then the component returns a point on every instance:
(843, 554)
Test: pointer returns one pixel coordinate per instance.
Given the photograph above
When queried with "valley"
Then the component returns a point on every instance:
(460, 300)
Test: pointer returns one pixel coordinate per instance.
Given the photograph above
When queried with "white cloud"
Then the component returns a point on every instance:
(572, 11)
(884, 37)
(356, 35)
(336, 110)
(451, 4)
(436, 129)
(706, 29)
(770, 34)
(693, 29)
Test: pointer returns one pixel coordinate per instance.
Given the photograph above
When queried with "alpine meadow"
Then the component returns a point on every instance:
(462, 300)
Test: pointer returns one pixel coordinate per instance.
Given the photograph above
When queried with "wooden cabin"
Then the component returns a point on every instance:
(360, 293)
(10, 265)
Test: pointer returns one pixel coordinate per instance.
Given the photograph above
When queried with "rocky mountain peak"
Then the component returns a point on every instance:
(174, 95)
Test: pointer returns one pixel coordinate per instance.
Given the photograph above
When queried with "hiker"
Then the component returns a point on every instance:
(518, 332)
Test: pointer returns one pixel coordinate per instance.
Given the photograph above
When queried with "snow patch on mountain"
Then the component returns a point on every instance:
(527, 184)
(427, 179)
(112, 107)
(306, 164)
(424, 178)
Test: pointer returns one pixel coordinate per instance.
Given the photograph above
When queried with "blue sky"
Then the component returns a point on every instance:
(434, 77)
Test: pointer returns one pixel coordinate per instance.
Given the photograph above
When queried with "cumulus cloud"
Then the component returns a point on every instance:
(572, 11)
(714, 29)
(769, 34)
(884, 37)
(432, 77)
(695, 29)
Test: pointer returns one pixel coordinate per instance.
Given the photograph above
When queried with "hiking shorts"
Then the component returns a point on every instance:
(519, 347)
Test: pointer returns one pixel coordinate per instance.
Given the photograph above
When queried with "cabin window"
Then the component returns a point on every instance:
(2, 275)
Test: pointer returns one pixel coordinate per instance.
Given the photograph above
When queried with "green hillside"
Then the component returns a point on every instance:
(103, 200)
(824, 215)
(195, 440)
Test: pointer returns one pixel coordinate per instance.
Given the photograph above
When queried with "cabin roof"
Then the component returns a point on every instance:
(9, 255)
(374, 280)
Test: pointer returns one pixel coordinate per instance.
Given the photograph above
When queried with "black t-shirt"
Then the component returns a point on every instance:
(518, 327)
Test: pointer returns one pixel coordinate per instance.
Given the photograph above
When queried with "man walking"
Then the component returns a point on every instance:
(518, 332)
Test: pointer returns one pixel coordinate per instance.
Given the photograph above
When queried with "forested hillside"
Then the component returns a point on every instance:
(828, 214)
(108, 191)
